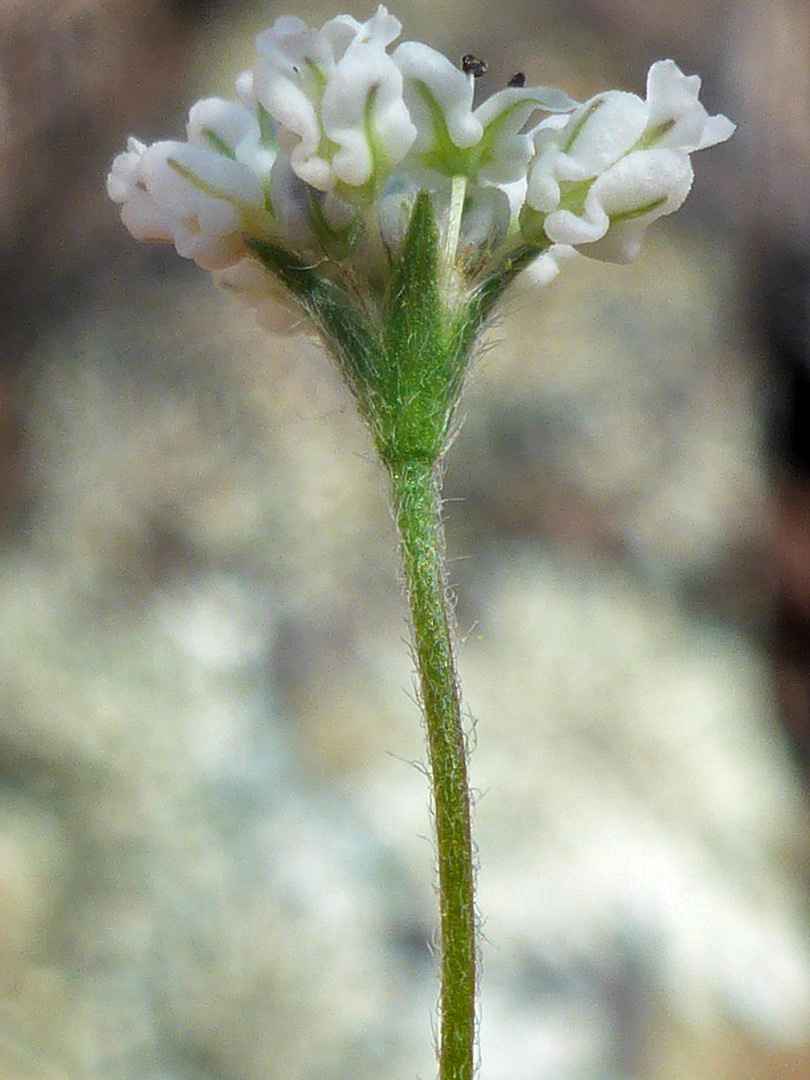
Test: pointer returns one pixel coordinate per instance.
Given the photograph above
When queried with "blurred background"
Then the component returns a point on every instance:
(214, 841)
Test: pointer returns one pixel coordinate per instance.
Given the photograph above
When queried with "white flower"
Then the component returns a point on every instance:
(336, 96)
(485, 148)
(452, 138)
(439, 97)
(195, 194)
(602, 175)
(127, 184)
(622, 202)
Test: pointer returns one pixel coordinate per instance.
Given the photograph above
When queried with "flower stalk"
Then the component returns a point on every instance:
(415, 487)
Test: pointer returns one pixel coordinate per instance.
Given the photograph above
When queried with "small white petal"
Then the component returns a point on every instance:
(292, 204)
(214, 121)
(395, 207)
(208, 251)
(433, 83)
(659, 179)
(603, 130)
(364, 114)
(716, 130)
(547, 132)
(485, 220)
(244, 90)
(299, 133)
(381, 29)
(563, 227)
(290, 42)
(218, 190)
(338, 34)
(670, 93)
(529, 99)
(549, 170)
(259, 158)
(123, 176)
(516, 194)
(672, 99)
(641, 178)
(145, 220)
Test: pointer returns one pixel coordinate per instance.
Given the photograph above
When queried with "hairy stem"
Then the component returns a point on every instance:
(415, 486)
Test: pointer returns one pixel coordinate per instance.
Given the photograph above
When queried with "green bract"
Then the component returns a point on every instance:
(404, 353)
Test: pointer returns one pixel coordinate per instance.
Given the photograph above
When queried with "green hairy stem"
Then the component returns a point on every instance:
(415, 488)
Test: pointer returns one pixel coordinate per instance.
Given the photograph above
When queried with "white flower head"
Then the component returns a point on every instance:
(337, 133)
(618, 163)
(336, 96)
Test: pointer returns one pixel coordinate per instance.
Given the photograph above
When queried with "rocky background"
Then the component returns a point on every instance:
(214, 839)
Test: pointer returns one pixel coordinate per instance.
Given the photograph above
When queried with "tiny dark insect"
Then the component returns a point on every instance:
(518, 79)
(472, 65)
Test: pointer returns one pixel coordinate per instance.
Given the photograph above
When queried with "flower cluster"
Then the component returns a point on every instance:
(336, 133)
